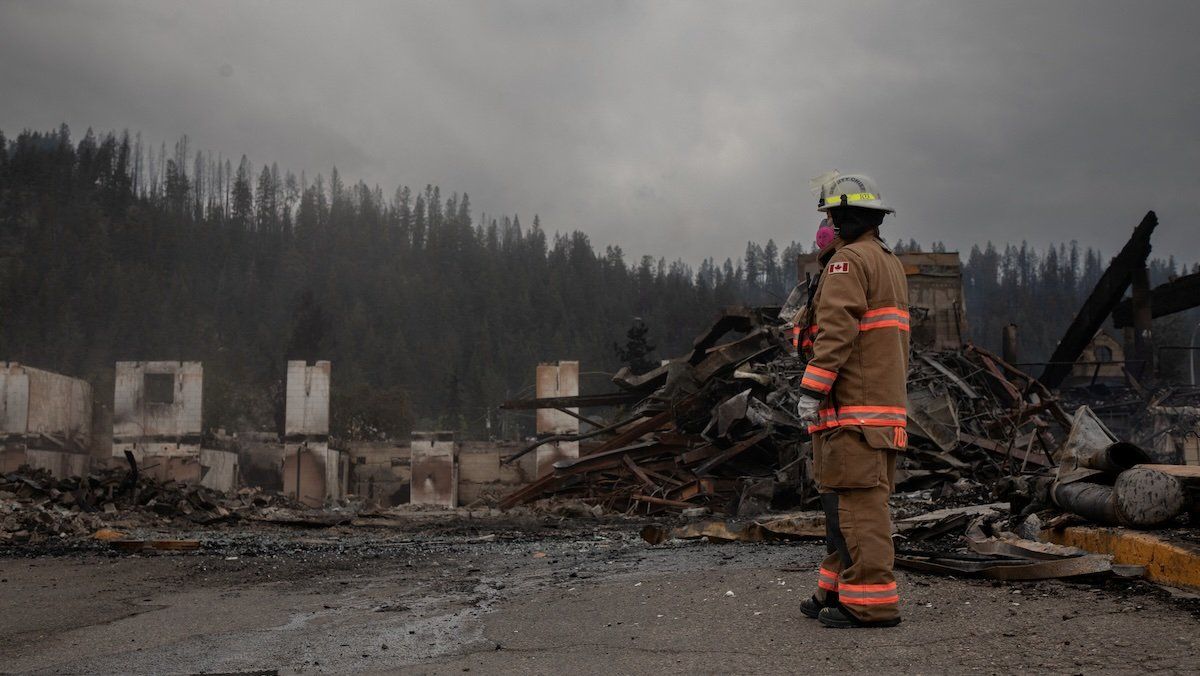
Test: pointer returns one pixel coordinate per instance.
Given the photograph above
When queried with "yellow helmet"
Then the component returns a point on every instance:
(851, 190)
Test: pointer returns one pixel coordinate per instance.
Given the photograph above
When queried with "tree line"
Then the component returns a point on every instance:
(431, 314)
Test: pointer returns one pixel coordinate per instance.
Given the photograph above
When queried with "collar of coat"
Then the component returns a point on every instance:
(834, 246)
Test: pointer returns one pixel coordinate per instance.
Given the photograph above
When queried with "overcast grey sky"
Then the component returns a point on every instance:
(680, 129)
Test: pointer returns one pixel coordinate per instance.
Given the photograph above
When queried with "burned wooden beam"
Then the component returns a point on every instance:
(1002, 450)
(1100, 303)
(1165, 299)
(730, 453)
(649, 381)
(738, 318)
(649, 499)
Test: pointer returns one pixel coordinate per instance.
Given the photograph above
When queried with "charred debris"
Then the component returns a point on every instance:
(714, 431)
(994, 452)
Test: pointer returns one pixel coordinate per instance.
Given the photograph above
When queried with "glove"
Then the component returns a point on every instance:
(807, 409)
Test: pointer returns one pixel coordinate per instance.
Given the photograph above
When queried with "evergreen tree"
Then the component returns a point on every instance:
(637, 349)
(429, 317)
(243, 198)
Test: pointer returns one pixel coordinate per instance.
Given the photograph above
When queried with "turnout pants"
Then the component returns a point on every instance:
(855, 480)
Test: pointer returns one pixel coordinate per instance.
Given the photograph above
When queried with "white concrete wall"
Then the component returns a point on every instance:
(137, 422)
(434, 470)
(323, 472)
(559, 379)
(33, 401)
(219, 469)
(307, 398)
(14, 399)
(336, 474)
(60, 463)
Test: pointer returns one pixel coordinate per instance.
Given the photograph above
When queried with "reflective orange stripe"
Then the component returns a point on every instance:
(868, 594)
(873, 409)
(818, 379)
(866, 602)
(885, 318)
(889, 586)
(893, 324)
(826, 419)
(806, 339)
(885, 311)
(815, 385)
(812, 370)
(828, 579)
(867, 416)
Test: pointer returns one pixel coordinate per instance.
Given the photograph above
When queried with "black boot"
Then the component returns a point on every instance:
(840, 619)
(811, 607)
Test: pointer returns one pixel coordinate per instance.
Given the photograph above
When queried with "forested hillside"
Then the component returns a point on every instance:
(431, 312)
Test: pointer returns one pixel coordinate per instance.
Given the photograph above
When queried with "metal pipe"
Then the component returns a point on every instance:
(1093, 502)
(1115, 458)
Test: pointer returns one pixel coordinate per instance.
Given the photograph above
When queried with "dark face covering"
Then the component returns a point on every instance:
(850, 223)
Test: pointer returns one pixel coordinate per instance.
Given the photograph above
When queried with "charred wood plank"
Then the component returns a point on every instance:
(1100, 303)
(646, 382)
(730, 453)
(997, 448)
(731, 354)
(607, 460)
(661, 501)
(738, 318)
(1165, 299)
(637, 471)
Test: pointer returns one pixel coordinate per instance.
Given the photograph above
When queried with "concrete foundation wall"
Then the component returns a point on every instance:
(560, 379)
(260, 464)
(34, 402)
(434, 469)
(482, 477)
(157, 428)
(307, 398)
(381, 472)
(321, 476)
(61, 464)
(219, 469)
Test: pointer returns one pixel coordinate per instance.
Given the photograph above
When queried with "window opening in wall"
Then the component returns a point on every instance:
(160, 388)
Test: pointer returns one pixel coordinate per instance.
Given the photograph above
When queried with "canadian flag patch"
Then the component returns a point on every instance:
(840, 266)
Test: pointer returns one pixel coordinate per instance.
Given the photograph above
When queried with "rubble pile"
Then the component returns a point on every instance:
(34, 505)
(1165, 422)
(715, 430)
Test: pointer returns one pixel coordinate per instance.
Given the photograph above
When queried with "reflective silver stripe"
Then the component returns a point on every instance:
(890, 317)
(819, 379)
(872, 416)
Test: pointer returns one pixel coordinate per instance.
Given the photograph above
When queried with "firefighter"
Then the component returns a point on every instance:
(855, 405)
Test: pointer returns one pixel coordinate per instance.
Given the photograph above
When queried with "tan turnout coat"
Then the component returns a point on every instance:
(856, 341)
